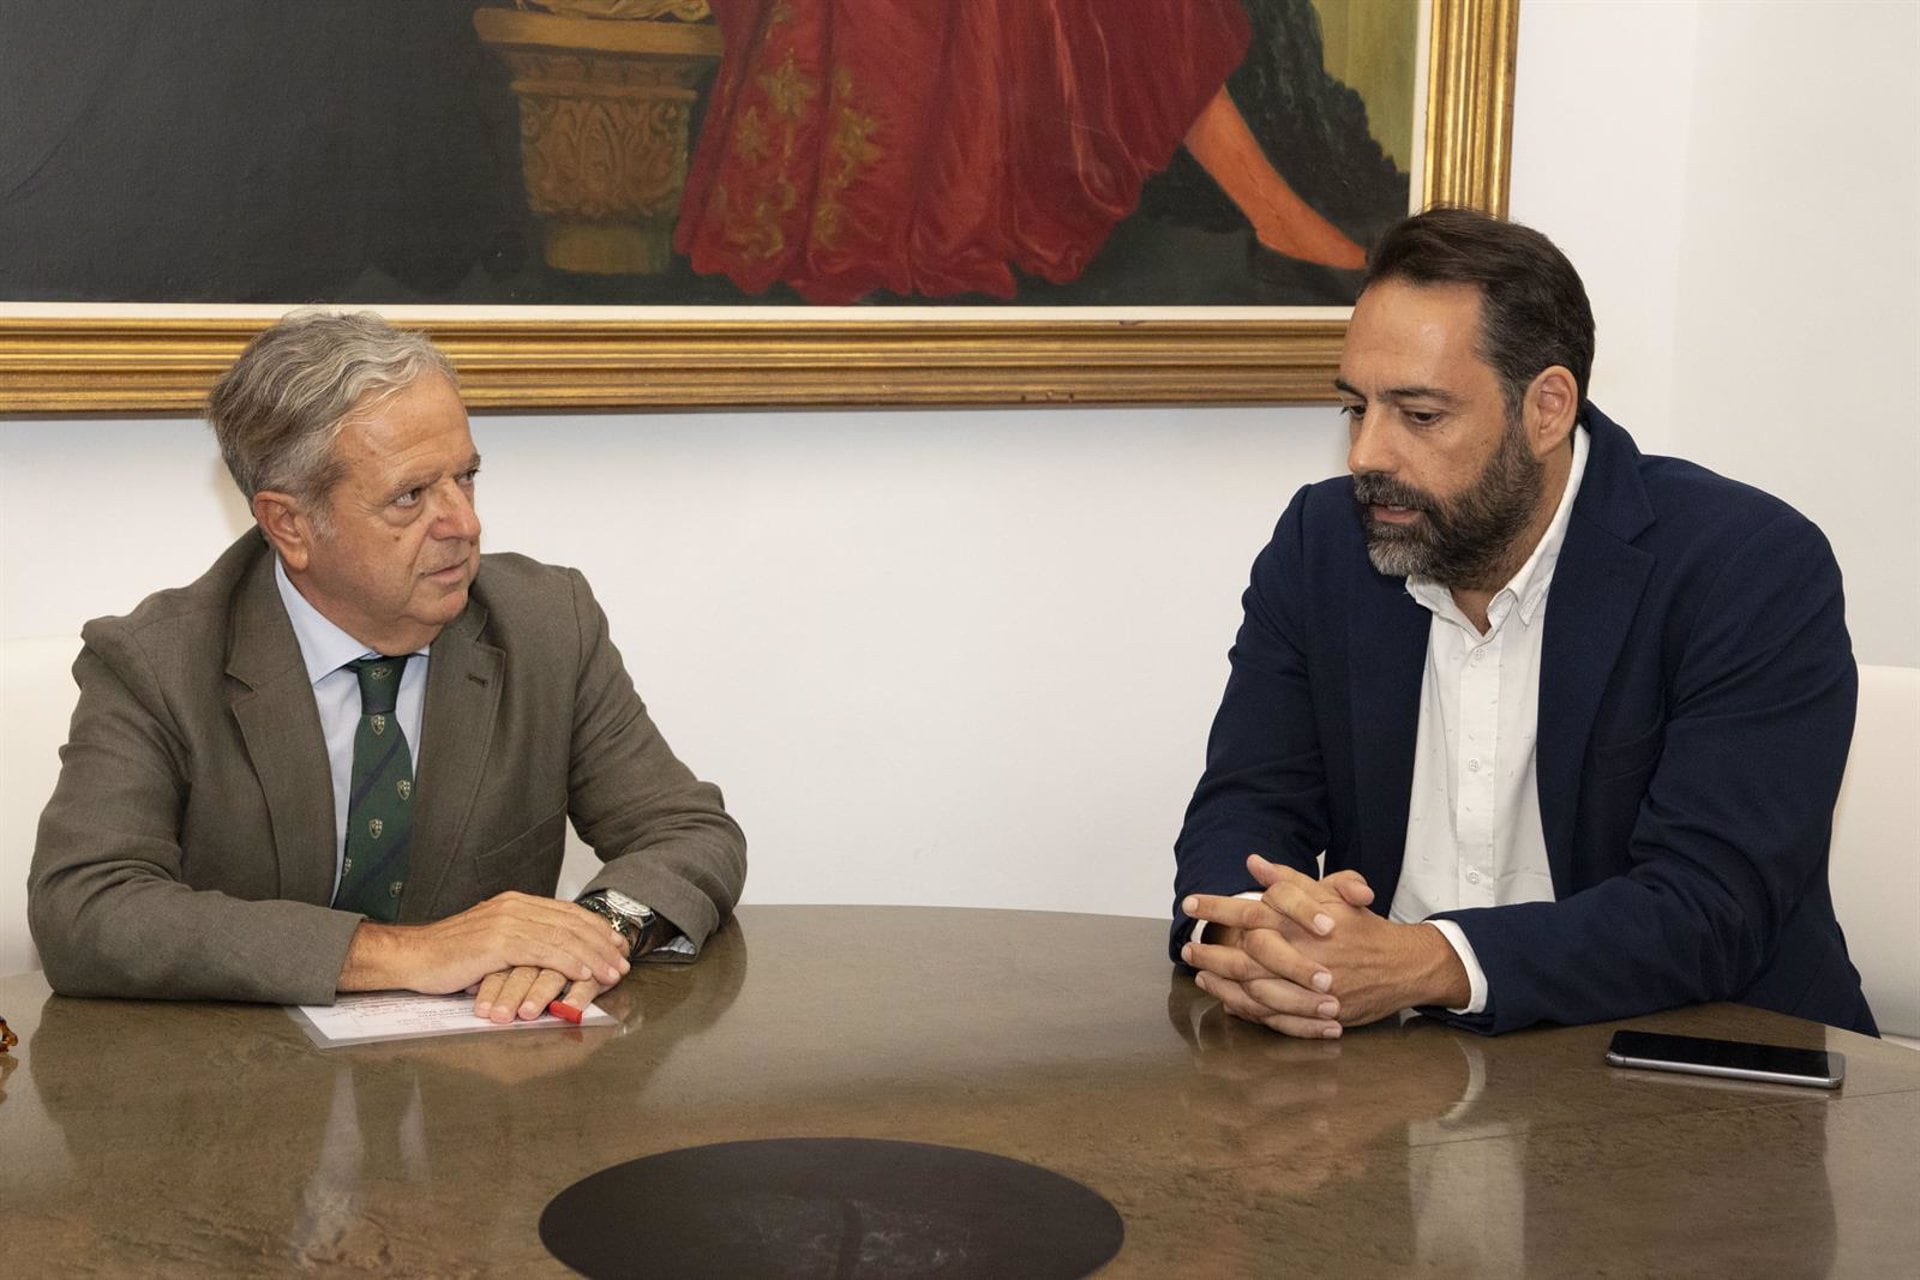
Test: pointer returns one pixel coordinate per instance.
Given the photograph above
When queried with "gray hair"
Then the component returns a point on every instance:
(278, 411)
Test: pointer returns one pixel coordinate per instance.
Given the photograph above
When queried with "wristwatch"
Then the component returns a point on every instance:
(632, 920)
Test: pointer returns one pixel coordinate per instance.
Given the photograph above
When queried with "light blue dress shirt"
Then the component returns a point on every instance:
(326, 649)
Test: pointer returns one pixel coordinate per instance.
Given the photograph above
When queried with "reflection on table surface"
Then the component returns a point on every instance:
(154, 1138)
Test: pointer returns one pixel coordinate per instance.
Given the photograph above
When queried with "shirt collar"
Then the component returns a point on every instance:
(324, 647)
(1529, 586)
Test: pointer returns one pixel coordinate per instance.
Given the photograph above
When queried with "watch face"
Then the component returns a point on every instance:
(639, 912)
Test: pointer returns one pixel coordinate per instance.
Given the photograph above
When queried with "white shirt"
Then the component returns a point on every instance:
(1474, 837)
(325, 650)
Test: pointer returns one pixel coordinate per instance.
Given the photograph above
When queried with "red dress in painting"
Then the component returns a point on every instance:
(931, 146)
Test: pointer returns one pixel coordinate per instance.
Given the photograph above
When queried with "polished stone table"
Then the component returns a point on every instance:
(202, 1139)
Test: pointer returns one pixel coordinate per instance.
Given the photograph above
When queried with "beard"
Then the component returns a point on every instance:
(1464, 542)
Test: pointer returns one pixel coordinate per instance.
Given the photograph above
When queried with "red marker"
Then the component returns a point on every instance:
(561, 1009)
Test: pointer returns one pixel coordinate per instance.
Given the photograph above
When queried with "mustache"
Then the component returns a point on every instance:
(1372, 489)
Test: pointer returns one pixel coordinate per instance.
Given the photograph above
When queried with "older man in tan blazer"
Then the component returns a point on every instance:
(201, 840)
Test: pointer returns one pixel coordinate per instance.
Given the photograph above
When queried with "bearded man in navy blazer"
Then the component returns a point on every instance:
(1566, 721)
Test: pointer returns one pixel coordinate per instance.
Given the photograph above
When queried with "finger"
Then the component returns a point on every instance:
(581, 994)
(1302, 1028)
(1232, 996)
(1235, 913)
(1238, 1000)
(1261, 954)
(1241, 1002)
(1281, 996)
(1352, 886)
(608, 944)
(1294, 896)
(1274, 959)
(550, 934)
(513, 993)
(548, 984)
(485, 992)
(595, 927)
(1230, 962)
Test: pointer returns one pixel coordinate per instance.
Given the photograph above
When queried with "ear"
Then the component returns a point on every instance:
(1551, 408)
(287, 526)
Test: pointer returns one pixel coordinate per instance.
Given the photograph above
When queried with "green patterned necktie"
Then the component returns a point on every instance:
(380, 799)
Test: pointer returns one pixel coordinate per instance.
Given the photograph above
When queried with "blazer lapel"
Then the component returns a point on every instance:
(456, 730)
(281, 728)
(1596, 591)
(1387, 648)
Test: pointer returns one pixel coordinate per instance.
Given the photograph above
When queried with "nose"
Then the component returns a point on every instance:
(1368, 448)
(457, 517)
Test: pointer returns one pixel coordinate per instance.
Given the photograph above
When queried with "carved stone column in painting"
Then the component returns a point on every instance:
(606, 88)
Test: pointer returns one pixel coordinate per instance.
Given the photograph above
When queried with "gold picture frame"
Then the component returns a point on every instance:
(84, 363)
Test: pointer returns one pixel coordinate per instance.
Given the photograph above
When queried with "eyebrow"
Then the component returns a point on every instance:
(1397, 394)
(420, 480)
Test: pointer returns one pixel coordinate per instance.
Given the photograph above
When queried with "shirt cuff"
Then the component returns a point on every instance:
(1200, 926)
(1476, 976)
(675, 950)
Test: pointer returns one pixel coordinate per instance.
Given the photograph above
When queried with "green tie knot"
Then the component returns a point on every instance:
(379, 683)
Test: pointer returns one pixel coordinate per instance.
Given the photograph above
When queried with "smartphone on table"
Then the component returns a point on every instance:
(1728, 1059)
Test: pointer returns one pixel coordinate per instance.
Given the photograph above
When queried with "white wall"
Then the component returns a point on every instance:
(1739, 184)
(951, 657)
(970, 657)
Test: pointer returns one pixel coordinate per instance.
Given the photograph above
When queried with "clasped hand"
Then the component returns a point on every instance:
(525, 991)
(514, 953)
(1306, 958)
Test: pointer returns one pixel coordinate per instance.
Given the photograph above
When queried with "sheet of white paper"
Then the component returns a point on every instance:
(369, 1017)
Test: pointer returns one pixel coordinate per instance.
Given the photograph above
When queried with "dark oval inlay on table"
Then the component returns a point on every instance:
(845, 1208)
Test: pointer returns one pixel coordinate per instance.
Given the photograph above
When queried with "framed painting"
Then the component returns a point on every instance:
(621, 203)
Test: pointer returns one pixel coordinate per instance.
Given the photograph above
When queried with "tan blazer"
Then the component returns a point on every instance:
(188, 850)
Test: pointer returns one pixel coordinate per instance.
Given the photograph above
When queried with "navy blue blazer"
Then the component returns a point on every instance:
(1697, 694)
